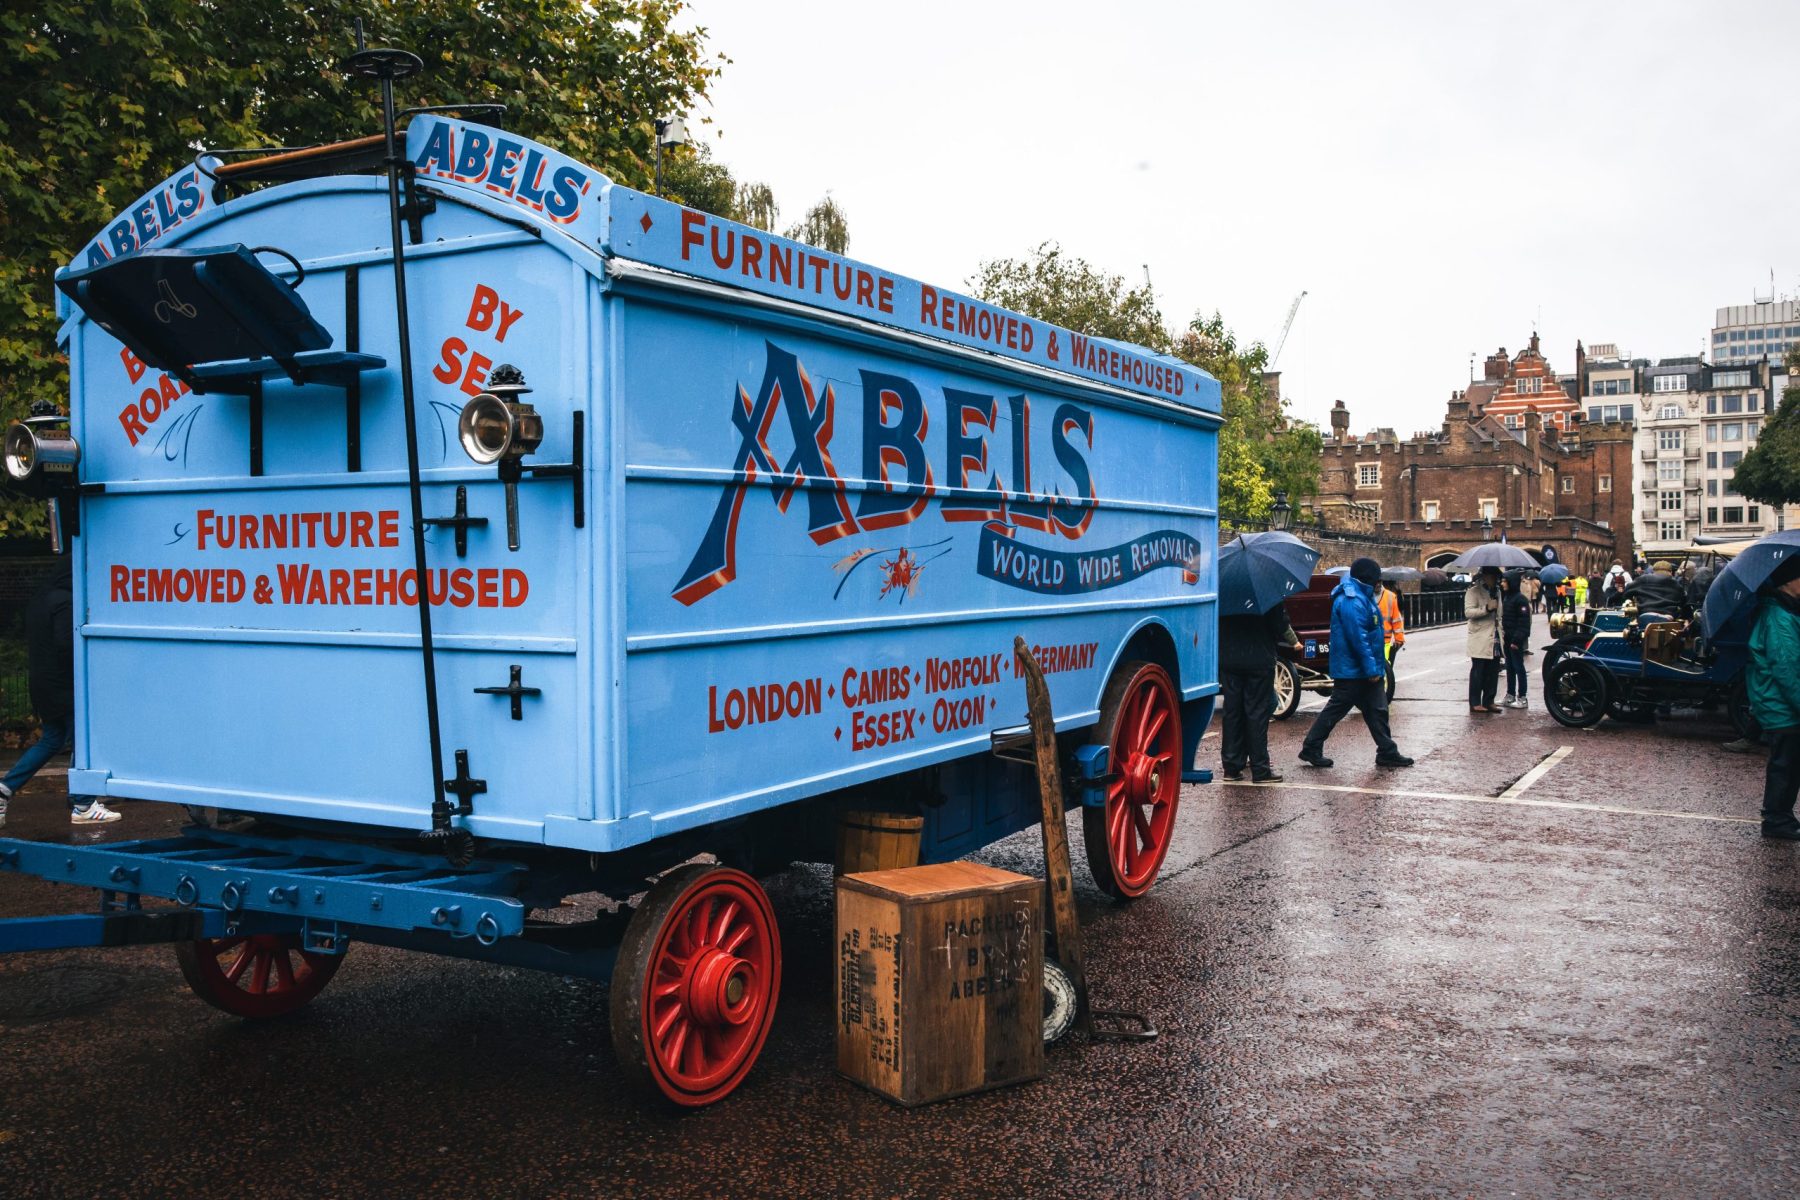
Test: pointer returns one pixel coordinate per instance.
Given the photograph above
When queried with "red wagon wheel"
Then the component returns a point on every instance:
(1140, 724)
(255, 975)
(694, 991)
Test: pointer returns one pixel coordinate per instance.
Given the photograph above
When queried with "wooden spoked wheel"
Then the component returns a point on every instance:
(1140, 724)
(694, 991)
(255, 975)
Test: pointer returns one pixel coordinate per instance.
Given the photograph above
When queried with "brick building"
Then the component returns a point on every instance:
(1537, 484)
(1512, 387)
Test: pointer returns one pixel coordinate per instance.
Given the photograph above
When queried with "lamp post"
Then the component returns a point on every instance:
(1487, 527)
(670, 132)
(1282, 510)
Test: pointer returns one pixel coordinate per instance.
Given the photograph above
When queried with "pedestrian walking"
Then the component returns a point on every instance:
(1515, 637)
(1581, 593)
(50, 666)
(1393, 629)
(1773, 681)
(1481, 604)
(1358, 677)
(1247, 646)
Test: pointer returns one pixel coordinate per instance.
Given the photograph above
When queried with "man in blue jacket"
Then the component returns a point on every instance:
(1358, 669)
(1773, 684)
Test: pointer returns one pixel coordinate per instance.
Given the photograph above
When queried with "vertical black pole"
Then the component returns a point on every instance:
(386, 65)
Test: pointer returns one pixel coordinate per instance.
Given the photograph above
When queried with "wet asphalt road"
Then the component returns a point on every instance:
(1368, 983)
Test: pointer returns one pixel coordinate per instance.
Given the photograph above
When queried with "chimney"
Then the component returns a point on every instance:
(1534, 430)
(1534, 342)
(1497, 365)
(1456, 419)
(1340, 421)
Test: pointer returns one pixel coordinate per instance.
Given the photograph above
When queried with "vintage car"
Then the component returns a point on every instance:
(1633, 664)
(1573, 631)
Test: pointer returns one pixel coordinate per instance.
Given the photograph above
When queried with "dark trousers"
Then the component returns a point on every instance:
(1515, 672)
(1249, 698)
(1367, 695)
(1783, 779)
(1484, 681)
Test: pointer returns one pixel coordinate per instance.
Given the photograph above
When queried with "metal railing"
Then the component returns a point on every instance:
(15, 697)
(1423, 610)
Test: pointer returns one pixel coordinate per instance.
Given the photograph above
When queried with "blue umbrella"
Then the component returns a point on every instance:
(1257, 571)
(1733, 592)
(1554, 574)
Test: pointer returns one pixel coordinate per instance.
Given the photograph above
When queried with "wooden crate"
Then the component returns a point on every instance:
(940, 975)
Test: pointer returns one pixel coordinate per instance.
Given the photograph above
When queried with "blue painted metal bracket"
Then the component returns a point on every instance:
(1094, 772)
(1203, 775)
(308, 879)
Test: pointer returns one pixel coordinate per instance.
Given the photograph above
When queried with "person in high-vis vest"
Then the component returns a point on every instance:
(1581, 593)
(1393, 629)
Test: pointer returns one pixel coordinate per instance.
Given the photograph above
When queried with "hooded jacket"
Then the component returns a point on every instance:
(1358, 649)
(1773, 677)
(1515, 619)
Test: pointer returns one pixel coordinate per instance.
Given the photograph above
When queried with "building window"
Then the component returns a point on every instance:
(1734, 514)
(1672, 531)
(1568, 485)
(1712, 433)
(1732, 403)
(1732, 432)
(1604, 484)
(1712, 460)
(1712, 487)
(1712, 514)
(1512, 420)
(1738, 335)
(1670, 383)
(1730, 459)
(1669, 439)
(1368, 475)
(1750, 402)
(1489, 508)
(1428, 510)
(1668, 471)
(1531, 386)
(1755, 515)
(1670, 501)
(1750, 428)
(1725, 379)
(1669, 412)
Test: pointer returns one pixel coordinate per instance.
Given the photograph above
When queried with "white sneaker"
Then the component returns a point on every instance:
(94, 814)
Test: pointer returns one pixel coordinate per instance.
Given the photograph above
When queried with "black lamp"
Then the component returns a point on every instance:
(1282, 510)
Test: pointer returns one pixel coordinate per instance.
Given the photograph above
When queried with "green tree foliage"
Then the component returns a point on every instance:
(1770, 473)
(824, 226)
(1260, 449)
(105, 97)
(1068, 291)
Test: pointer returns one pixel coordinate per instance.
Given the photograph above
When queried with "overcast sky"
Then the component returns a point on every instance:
(1439, 178)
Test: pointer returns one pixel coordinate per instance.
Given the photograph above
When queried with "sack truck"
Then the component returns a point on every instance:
(720, 535)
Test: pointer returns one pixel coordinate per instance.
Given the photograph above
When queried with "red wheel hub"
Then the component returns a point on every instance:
(710, 988)
(255, 975)
(1140, 803)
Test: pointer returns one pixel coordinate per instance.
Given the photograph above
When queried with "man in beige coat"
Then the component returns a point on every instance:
(1481, 604)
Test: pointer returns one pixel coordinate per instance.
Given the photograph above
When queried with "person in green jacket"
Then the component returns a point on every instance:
(1773, 681)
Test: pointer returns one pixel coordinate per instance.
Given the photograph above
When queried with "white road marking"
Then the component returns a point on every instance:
(1519, 801)
(1536, 773)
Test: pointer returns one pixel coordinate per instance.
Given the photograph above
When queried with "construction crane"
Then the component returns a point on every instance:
(1285, 330)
